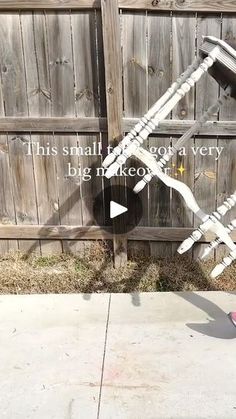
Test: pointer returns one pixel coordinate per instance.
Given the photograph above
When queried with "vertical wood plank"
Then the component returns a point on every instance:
(160, 202)
(134, 40)
(88, 103)
(103, 112)
(205, 186)
(226, 176)
(7, 210)
(113, 74)
(16, 104)
(159, 79)
(101, 66)
(228, 110)
(183, 54)
(207, 90)
(39, 99)
(63, 104)
(183, 50)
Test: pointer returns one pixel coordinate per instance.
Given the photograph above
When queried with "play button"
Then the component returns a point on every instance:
(116, 209)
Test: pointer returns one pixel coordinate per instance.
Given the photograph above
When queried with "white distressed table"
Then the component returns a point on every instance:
(219, 59)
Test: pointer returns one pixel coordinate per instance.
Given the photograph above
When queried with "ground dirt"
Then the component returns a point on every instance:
(94, 272)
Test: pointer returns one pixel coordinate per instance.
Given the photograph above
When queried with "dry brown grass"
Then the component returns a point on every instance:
(95, 273)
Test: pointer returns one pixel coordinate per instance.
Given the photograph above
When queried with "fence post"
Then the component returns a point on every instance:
(113, 76)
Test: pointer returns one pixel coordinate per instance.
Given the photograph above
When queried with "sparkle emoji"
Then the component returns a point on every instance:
(181, 169)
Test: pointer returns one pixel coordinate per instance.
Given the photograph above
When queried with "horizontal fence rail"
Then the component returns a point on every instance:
(150, 5)
(93, 124)
(65, 232)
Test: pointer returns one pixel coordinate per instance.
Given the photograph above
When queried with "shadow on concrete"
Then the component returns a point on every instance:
(218, 326)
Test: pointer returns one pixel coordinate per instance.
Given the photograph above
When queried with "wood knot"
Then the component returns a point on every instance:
(24, 140)
(60, 61)
(41, 91)
(3, 148)
(229, 36)
(110, 89)
(22, 216)
(135, 62)
(56, 206)
(183, 113)
(6, 220)
(151, 70)
(88, 93)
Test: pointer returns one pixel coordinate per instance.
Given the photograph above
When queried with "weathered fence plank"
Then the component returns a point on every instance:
(180, 5)
(53, 124)
(226, 174)
(88, 125)
(84, 35)
(183, 48)
(178, 127)
(7, 210)
(160, 205)
(113, 74)
(207, 87)
(206, 94)
(39, 99)
(14, 88)
(159, 79)
(134, 46)
(63, 104)
(49, 4)
(151, 5)
(66, 232)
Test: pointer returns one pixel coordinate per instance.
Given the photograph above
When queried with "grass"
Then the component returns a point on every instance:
(94, 272)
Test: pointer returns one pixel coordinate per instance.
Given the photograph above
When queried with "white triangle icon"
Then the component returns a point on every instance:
(116, 209)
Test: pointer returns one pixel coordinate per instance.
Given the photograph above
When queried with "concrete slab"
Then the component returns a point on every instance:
(167, 356)
(51, 353)
(170, 356)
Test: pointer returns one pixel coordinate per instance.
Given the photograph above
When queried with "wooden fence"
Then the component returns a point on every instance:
(82, 72)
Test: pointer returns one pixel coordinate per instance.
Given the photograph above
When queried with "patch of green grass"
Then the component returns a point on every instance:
(46, 261)
(81, 266)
